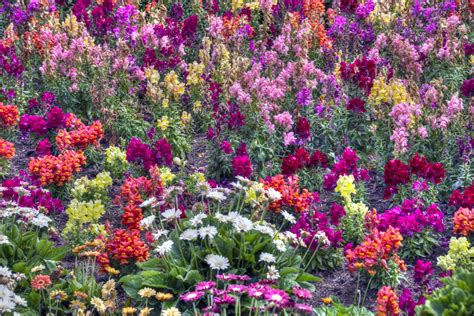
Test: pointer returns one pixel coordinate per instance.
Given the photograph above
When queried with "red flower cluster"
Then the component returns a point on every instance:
(160, 154)
(7, 149)
(303, 128)
(290, 194)
(302, 159)
(375, 252)
(124, 246)
(395, 173)
(81, 138)
(356, 105)
(463, 199)
(8, 115)
(387, 304)
(242, 166)
(362, 71)
(346, 165)
(464, 221)
(433, 172)
(57, 170)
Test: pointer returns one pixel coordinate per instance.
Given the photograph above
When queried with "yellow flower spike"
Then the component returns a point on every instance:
(164, 123)
(345, 187)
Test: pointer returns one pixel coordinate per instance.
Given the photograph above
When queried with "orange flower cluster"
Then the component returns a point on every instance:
(291, 195)
(387, 304)
(123, 247)
(57, 170)
(375, 252)
(7, 149)
(464, 221)
(126, 244)
(80, 138)
(8, 115)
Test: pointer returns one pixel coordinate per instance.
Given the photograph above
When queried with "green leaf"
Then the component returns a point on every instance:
(308, 278)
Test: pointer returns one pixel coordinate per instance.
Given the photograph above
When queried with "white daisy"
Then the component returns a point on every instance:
(147, 221)
(171, 214)
(164, 248)
(216, 195)
(197, 220)
(19, 300)
(291, 236)
(5, 272)
(207, 231)
(217, 262)
(273, 195)
(159, 233)
(267, 257)
(264, 229)
(288, 217)
(41, 220)
(280, 245)
(321, 236)
(4, 240)
(148, 202)
(273, 273)
(222, 218)
(189, 234)
(242, 224)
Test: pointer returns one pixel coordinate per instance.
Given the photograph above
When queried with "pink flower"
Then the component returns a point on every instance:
(205, 286)
(279, 297)
(40, 282)
(192, 296)
(289, 139)
(237, 288)
(304, 308)
(422, 132)
(242, 166)
(284, 119)
(224, 299)
(302, 293)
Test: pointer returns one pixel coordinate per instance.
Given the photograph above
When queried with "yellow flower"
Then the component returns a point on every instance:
(356, 209)
(326, 300)
(345, 187)
(165, 103)
(145, 311)
(58, 295)
(147, 292)
(98, 304)
(112, 270)
(163, 123)
(166, 176)
(197, 106)
(160, 296)
(173, 311)
(185, 118)
(128, 310)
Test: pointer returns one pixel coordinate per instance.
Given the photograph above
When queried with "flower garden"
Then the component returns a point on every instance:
(236, 157)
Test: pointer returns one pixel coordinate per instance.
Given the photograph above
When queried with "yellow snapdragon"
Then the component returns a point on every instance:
(164, 123)
(173, 85)
(393, 92)
(195, 71)
(166, 176)
(345, 187)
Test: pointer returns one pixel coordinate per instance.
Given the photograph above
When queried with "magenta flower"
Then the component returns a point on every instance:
(278, 297)
(237, 288)
(423, 269)
(224, 299)
(242, 166)
(228, 277)
(303, 308)
(205, 286)
(302, 293)
(192, 296)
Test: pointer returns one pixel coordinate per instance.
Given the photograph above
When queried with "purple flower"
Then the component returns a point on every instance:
(226, 147)
(191, 296)
(406, 302)
(205, 286)
(423, 270)
(304, 97)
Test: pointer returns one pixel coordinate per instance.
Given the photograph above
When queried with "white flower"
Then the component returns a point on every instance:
(321, 236)
(7, 297)
(4, 240)
(148, 202)
(216, 195)
(241, 223)
(26, 212)
(21, 191)
(5, 272)
(207, 231)
(280, 245)
(147, 221)
(288, 217)
(222, 218)
(273, 195)
(159, 233)
(171, 214)
(19, 300)
(217, 262)
(291, 236)
(264, 229)
(38, 268)
(237, 185)
(164, 248)
(189, 234)
(267, 257)
(273, 273)
(197, 220)
(41, 220)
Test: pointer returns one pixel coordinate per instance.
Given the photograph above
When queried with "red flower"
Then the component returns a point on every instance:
(356, 105)
(40, 282)
(242, 166)
(395, 173)
(303, 128)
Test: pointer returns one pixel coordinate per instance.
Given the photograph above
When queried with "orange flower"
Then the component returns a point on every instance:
(8, 115)
(464, 221)
(41, 282)
(326, 300)
(387, 302)
(7, 149)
